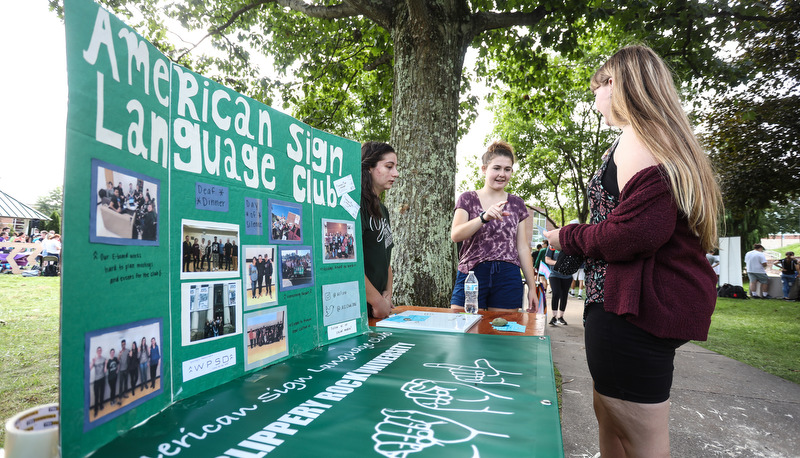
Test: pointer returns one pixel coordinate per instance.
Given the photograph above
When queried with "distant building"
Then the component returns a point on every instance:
(774, 241)
(18, 216)
(540, 220)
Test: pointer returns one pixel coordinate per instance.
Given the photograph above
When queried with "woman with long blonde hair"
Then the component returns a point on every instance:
(654, 209)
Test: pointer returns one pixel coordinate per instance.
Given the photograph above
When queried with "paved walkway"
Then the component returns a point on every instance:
(720, 407)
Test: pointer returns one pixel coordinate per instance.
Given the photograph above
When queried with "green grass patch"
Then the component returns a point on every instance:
(29, 344)
(762, 333)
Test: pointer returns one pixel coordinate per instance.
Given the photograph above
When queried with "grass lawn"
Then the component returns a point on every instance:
(762, 333)
(29, 344)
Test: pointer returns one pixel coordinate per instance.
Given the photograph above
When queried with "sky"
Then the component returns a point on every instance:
(34, 115)
(34, 102)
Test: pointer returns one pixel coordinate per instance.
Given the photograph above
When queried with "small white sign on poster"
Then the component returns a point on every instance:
(340, 302)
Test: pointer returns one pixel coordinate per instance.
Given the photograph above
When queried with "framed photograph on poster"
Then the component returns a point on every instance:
(259, 276)
(125, 206)
(265, 337)
(339, 241)
(123, 368)
(209, 250)
(296, 267)
(210, 310)
(285, 222)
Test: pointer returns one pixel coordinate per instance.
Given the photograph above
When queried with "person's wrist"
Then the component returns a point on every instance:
(484, 221)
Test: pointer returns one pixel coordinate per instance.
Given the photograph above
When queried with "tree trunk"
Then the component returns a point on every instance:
(429, 57)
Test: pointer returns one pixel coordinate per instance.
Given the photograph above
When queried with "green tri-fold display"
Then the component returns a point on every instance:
(159, 158)
(213, 299)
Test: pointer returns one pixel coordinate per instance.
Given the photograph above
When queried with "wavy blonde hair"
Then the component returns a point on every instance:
(644, 97)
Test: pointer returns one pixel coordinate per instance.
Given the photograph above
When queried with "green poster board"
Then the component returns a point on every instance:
(398, 394)
(177, 191)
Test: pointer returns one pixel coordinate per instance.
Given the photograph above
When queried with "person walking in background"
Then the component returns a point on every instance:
(490, 223)
(577, 280)
(378, 174)
(654, 210)
(560, 284)
(789, 269)
(756, 265)
(155, 356)
(713, 260)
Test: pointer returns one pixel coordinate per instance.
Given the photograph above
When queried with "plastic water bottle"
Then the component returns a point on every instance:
(471, 293)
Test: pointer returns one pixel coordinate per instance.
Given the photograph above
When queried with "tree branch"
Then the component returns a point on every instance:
(379, 11)
(485, 21)
(339, 11)
(382, 59)
(418, 11)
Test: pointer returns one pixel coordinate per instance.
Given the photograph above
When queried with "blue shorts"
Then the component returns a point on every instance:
(499, 286)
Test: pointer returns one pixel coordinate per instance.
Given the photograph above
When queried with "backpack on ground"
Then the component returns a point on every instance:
(50, 271)
(732, 291)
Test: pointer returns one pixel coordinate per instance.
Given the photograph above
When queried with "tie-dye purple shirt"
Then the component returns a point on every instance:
(495, 240)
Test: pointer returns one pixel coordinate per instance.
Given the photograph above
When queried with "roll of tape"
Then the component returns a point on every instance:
(33, 433)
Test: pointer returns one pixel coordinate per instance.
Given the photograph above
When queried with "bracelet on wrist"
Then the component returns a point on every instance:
(484, 221)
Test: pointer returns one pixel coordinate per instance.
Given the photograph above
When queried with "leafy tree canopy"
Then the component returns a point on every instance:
(753, 130)
(378, 69)
(50, 202)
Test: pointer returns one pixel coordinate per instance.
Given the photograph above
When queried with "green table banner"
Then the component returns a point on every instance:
(397, 394)
(206, 235)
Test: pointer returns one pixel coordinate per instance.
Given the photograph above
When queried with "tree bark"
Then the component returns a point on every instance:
(429, 50)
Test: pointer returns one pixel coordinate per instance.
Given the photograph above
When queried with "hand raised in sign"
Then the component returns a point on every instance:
(481, 372)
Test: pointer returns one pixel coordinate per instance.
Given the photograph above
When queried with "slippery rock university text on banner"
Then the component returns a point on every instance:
(207, 235)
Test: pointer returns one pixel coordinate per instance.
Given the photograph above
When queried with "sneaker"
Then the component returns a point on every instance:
(561, 321)
(767, 297)
(580, 296)
(554, 322)
(571, 294)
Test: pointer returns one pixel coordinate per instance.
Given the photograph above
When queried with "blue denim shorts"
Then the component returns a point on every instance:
(499, 286)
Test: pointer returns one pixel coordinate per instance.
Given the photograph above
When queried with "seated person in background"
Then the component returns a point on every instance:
(116, 202)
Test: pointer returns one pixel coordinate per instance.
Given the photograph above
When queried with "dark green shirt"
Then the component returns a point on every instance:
(378, 243)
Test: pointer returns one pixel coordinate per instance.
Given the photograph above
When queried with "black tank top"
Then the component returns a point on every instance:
(609, 179)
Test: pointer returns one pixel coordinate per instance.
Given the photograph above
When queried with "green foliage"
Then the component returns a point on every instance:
(54, 224)
(783, 218)
(50, 202)
(557, 133)
(363, 69)
(752, 130)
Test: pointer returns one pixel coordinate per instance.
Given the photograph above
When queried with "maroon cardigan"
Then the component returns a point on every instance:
(658, 275)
